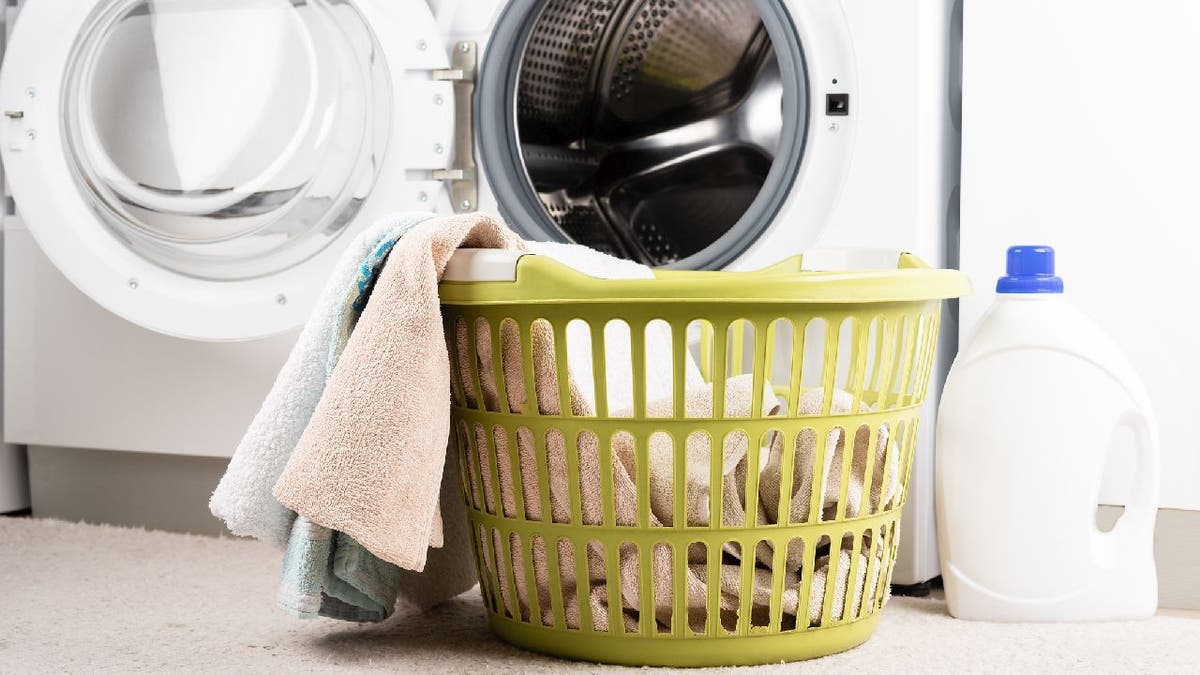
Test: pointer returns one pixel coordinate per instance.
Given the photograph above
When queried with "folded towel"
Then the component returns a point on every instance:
(243, 499)
(370, 463)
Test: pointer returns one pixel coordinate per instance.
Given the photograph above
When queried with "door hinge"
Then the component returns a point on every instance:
(461, 176)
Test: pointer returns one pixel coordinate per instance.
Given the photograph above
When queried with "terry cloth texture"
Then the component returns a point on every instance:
(698, 404)
(326, 573)
(371, 462)
(243, 499)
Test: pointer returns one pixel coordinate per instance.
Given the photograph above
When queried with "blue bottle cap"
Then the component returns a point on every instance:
(1030, 270)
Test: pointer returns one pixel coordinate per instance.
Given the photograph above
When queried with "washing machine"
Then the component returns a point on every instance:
(184, 172)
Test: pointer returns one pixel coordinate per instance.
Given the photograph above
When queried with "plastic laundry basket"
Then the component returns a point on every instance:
(698, 592)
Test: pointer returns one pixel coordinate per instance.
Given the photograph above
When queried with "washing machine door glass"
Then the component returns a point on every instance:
(225, 139)
(196, 166)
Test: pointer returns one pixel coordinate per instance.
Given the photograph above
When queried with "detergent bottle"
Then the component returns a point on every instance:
(1026, 422)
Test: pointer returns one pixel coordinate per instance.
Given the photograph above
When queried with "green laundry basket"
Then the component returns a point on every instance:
(843, 359)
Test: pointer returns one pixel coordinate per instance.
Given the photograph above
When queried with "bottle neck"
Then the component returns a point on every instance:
(1029, 297)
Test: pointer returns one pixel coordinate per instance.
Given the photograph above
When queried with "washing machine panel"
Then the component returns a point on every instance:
(189, 164)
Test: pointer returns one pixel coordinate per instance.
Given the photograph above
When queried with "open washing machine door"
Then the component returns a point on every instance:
(189, 164)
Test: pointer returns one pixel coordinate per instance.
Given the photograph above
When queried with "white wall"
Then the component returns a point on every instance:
(1082, 131)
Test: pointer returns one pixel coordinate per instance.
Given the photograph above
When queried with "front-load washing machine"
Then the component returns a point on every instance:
(184, 172)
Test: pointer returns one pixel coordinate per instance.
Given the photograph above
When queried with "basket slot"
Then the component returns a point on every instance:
(746, 553)
(935, 324)
(843, 466)
(579, 559)
(497, 363)
(713, 588)
(795, 375)
(807, 579)
(787, 471)
(679, 591)
(865, 506)
(599, 369)
(622, 368)
(720, 371)
(700, 331)
(567, 581)
(512, 554)
(504, 574)
(637, 344)
(607, 505)
(462, 448)
(554, 582)
(493, 461)
(559, 347)
(829, 367)
(456, 388)
(878, 341)
(887, 540)
(854, 590)
(594, 560)
(476, 391)
(616, 618)
(662, 575)
(645, 586)
(779, 556)
(641, 476)
(679, 356)
(543, 472)
(679, 496)
(572, 454)
(518, 479)
(493, 577)
(532, 594)
(906, 459)
(886, 356)
(858, 364)
(530, 407)
(660, 486)
(832, 581)
(816, 497)
(480, 566)
(912, 329)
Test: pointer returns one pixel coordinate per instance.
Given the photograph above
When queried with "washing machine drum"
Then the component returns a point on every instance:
(197, 166)
(648, 129)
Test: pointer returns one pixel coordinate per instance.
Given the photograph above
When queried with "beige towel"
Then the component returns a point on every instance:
(371, 460)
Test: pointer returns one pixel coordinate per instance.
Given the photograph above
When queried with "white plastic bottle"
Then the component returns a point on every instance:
(1025, 425)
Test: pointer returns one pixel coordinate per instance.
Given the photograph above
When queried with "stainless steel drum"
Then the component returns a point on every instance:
(649, 127)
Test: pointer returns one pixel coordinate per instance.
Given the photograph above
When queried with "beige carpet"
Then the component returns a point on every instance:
(84, 598)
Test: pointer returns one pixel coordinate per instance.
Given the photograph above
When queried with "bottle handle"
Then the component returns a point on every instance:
(1142, 506)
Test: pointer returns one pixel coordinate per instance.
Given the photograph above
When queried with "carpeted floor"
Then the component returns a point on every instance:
(84, 598)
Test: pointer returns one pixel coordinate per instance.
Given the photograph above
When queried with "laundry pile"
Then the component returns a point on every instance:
(345, 466)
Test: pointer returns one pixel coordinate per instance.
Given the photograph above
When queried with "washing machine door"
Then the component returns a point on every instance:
(195, 166)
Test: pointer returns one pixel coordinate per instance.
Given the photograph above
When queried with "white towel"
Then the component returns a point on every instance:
(244, 498)
(618, 355)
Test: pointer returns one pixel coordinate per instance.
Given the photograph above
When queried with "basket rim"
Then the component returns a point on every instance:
(543, 280)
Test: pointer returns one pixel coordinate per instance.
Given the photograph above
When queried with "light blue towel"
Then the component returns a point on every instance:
(327, 573)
